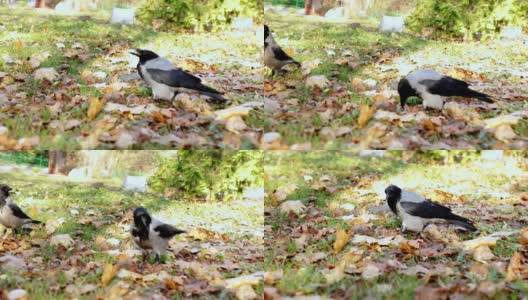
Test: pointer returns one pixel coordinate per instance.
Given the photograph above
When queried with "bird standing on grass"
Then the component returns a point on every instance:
(11, 216)
(432, 86)
(166, 80)
(149, 233)
(274, 57)
(417, 212)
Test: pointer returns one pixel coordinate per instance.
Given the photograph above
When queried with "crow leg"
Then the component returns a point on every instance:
(4, 233)
(174, 96)
(158, 258)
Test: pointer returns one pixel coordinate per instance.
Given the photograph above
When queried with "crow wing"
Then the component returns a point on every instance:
(427, 210)
(175, 78)
(17, 212)
(446, 86)
(167, 231)
(280, 54)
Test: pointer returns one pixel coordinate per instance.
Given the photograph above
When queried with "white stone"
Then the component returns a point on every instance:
(80, 173)
(123, 16)
(392, 24)
(511, 32)
(242, 23)
(17, 294)
(135, 183)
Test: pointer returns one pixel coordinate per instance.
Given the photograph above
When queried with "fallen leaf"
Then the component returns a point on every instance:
(365, 114)
(319, 81)
(109, 272)
(251, 279)
(283, 191)
(96, 105)
(342, 238)
(523, 237)
(246, 292)
(483, 254)
(48, 74)
(10, 262)
(488, 240)
(370, 272)
(61, 240)
(235, 124)
(514, 267)
(295, 206)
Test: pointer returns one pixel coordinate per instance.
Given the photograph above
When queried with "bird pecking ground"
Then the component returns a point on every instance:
(329, 233)
(68, 82)
(219, 258)
(356, 104)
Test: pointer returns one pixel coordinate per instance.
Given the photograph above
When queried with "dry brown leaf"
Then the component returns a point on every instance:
(514, 268)
(158, 117)
(523, 237)
(342, 238)
(96, 105)
(109, 272)
(483, 254)
(365, 114)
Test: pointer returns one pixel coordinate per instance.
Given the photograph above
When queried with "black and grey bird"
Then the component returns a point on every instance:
(11, 216)
(274, 57)
(417, 212)
(167, 80)
(149, 233)
(432, 86)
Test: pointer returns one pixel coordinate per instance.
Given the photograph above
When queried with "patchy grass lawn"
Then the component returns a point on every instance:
(224, 241)
(91, 59)
(363, 67)
(344, 193)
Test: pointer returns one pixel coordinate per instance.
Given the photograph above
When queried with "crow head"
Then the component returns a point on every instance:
(393, 195)
(144, 55)
(405, 90)
(142, 222)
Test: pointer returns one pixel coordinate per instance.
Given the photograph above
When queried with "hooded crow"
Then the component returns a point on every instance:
(11, 216)
(274, 57)
(166, 80)
(417, 212)
(431, 86)
(149, 233)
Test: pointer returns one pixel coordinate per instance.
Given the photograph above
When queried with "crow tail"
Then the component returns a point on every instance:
(211, 93)
(478, 95)
(461, 221)
(217, 98)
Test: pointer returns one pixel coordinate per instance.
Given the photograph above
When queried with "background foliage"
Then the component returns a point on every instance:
(197, 15)
(208, 174)
(468, 19)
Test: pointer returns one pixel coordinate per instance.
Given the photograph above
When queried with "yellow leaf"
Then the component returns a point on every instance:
(109, 273)
(514, 268)
(33, 212)
(341, 240)
(19, 45)
(95, 107)
(365, 114)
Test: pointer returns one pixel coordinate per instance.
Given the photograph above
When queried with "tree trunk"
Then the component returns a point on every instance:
(39, 3)
(56, 162)
(311, 6)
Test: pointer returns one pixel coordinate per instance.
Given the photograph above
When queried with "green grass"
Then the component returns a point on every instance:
(379, 56)
(48, 198)
(479, 188)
